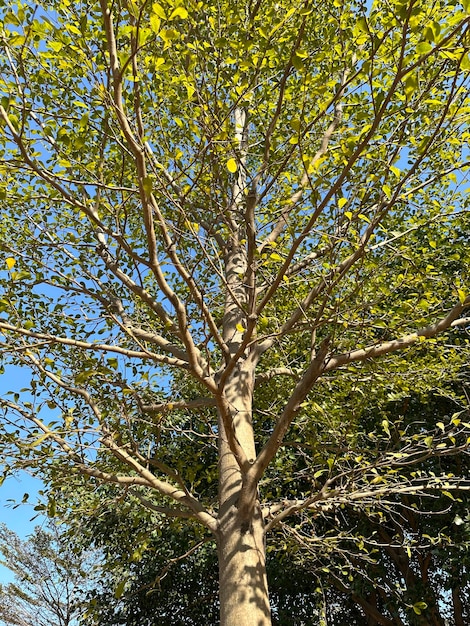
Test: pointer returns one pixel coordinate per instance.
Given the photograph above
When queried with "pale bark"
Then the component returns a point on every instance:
(240, 536)
(242, 571)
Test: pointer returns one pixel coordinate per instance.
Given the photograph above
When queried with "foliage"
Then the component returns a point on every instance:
(49, 579)
(384, 562)
(403, 561)
(170, 571)
(220, 223)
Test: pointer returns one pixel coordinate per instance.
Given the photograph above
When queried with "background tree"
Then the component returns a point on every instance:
(395, 563)
(403, 562)
(257, 198)
(49, 579)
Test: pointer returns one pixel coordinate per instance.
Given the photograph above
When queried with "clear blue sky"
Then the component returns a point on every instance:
(18, 519)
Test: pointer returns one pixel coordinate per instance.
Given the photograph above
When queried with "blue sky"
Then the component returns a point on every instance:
(19, 519)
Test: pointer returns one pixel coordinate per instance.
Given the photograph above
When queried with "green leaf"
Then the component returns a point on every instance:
(120, 589)
(168, 36)
(423, 47)
(411, 85)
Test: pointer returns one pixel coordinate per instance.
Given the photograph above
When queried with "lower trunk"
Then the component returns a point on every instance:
(242, 571)
(240, 536)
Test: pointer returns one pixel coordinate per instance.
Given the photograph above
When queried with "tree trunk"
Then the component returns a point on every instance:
(242, 570)
(241, 544)
(240, 536)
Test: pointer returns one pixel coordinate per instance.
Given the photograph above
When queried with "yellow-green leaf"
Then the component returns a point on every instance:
(155, 23)
(56, 45)
(419, 607)
(179, 12)
(159, 10)
(461, 292)
(39, 440)
(232, 166)
(120, 589)
(387, 191)
(10, 262)
(147, 184)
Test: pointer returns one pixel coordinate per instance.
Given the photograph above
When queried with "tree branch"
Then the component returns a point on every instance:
(450, 320)
(165, 407)
(86, 345)
(293, 406)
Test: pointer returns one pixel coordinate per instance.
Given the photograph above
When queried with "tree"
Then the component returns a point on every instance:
(404, 563)
(169, 574)
(214, 214)
(49, 579)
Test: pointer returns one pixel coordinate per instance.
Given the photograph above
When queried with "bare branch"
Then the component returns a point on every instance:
(163, 510)
(277, 371)
(165, 407)
(162, 487)
(327, 500)
(86, 345)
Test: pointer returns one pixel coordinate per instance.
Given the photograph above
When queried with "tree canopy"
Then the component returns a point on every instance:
(396, 563)
(226, 228)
